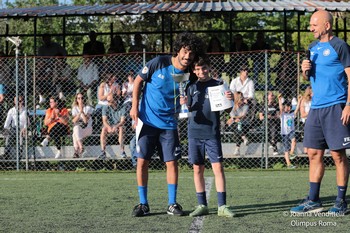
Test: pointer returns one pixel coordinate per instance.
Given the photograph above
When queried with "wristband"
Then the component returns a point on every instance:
(347, 104)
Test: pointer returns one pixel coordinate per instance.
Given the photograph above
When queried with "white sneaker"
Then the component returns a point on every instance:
(45, 142)
(275, 153)
(236, 152)
(58, 154)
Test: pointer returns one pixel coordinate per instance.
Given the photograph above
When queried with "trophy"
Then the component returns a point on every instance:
(181, 79)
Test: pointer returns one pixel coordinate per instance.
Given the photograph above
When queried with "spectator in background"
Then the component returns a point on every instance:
(243, 84)
(113, 119)
(93, 47)
(305, 106)
(88, 77)
(62, 77)
(117, 45)
(3, 77)
(272, 114)
(259, 57)
(82, 124)
(46, 66)
(56, 120)
(11, 125)
(237, 57)
(127, 90)
(216, 55)
(287, 74)
(138, 45)
(238, 121)
(287, 117)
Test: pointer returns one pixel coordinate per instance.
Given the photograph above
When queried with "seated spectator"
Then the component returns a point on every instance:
(11, 125)
(237, 57)
(216, 55)
(305, 105)
(138, 45)
(45, 66)
(112, 118)
(117, 45)
(88, 78)
(106, 87)
(127, 90)
(56, 120)
(272, 114)
(243, 84)
(259, 57)
(238, 121)
(82, 124)
(93, 47)
(62, 76)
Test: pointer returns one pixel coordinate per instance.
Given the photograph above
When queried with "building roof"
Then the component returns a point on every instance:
(176, 7)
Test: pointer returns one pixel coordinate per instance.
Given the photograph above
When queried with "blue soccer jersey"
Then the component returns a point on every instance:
(160, 100)
(327, 76)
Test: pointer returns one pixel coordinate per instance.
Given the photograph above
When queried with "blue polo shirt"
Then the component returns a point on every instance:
(159, 101)
(327, 76)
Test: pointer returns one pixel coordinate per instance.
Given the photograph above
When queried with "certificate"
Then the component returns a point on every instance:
(217, 98)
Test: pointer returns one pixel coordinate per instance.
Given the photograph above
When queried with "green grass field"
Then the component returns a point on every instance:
(102, 202)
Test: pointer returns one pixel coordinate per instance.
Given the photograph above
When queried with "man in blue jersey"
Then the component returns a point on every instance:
(327, 125)
(155, 117)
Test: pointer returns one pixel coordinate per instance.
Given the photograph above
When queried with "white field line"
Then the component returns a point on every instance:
(197, 223)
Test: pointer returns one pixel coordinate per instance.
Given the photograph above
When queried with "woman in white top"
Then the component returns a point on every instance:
(82, 123)
(108, 86)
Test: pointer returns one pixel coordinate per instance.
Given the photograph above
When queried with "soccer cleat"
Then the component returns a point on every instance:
(175, 209)
(123, 155)
(141, 210)
(102, 155)
(200, 210)
(340, 207)
(224, 211)
(307, 206)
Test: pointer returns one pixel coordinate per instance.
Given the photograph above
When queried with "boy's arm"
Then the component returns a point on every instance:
(280, 103)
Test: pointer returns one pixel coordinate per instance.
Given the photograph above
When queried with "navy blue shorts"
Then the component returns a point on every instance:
(198, 147)
(167, 142)
(324, 129)
(287, 141)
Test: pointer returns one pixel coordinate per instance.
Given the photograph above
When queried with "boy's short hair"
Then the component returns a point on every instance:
(287, 103)
(201, 61)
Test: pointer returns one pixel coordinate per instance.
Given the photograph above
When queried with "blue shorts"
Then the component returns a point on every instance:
(198, 147)
(2, 89)
(287, 140)
(167, 142)
(324, 129)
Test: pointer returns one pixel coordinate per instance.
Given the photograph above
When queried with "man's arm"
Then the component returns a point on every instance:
(345, 116)
(134, 112)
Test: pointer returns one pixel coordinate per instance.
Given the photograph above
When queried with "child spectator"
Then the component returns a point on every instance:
(288, 129)
(204, 137)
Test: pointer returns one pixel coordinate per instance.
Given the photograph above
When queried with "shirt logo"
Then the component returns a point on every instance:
(160, 76)
(346, 141)
(145, 70)
(326, 52)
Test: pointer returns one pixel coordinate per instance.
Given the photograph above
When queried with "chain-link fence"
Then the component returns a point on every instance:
(72, 136)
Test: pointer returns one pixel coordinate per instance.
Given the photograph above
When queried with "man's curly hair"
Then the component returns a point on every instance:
(189, 41)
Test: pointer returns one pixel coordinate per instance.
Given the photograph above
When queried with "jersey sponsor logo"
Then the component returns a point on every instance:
(144, 70)
(326, 52)
(160, 76)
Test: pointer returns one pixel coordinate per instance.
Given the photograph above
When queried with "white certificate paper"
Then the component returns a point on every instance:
(217, 99)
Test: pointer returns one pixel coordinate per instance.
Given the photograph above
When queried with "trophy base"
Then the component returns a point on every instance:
(183, 115)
